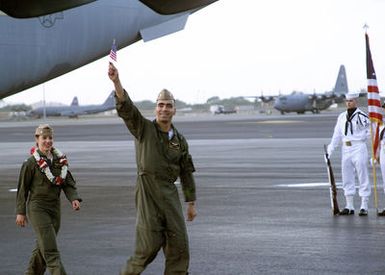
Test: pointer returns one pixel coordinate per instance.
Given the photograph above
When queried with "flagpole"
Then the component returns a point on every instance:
(374, 171)
(374, 112)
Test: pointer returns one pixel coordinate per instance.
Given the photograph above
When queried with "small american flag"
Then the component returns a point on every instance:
(374, 100)
(113, 54)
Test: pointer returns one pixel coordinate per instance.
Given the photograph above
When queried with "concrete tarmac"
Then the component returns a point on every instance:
(263, 199)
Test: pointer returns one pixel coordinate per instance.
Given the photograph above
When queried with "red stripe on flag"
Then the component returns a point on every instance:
(374, 102)
(373, 89)
(376, 141)
(375, 116)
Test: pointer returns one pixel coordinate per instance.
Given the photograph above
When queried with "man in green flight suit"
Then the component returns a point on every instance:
(42, 177)
(162, 156)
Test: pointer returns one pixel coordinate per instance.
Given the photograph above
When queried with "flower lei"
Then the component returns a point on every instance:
(44, 168)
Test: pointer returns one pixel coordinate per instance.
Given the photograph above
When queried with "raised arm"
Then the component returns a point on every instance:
(113, 74)
(125, 107)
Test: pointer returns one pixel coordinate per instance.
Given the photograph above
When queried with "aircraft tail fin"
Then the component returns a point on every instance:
(341, 86)
(75, 101)
(110, 101)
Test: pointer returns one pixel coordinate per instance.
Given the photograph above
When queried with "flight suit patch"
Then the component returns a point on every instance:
(174, 145)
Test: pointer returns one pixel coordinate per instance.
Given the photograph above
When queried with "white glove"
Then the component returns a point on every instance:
(373, 162)
(326, 160)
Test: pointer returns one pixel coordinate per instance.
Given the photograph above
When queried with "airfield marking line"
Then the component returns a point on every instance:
(280, 121)
(267, 122)
(310, 184)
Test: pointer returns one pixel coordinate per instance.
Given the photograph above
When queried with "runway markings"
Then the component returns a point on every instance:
(312, 184)
(279, 121)
(268, 122)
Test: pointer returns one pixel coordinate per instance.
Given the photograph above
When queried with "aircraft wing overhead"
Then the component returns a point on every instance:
(165, 28)
(60, 41)
(172, 6)
(35, 8)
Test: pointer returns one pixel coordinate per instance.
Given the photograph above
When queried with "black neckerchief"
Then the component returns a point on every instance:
(349, 116)
(351, 113)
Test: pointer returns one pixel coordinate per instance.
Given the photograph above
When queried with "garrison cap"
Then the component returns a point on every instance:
(165, 95)
(44, 129)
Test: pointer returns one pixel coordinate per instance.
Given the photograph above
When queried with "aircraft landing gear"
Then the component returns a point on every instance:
(315, 111)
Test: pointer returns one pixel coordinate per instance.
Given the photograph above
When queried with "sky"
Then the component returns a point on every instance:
(239, 48)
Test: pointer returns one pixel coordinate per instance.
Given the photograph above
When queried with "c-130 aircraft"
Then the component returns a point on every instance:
(74, 110)
(43, 39)
(300, 102)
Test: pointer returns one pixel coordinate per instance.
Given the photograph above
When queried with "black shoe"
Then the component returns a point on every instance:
(346, 212)
(363, 212)
(381, 214)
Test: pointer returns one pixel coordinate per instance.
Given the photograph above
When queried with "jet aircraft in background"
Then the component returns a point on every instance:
(300, 102)
(74, 110)
(41, 40)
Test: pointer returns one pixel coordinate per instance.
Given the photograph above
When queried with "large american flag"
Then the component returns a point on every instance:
(374, 100)
(113, 54)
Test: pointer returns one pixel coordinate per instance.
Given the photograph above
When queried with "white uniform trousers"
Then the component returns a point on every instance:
(355, 159)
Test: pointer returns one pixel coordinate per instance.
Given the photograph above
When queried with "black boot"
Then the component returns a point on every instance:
(381, 213)
(363, 212)
(346, 212)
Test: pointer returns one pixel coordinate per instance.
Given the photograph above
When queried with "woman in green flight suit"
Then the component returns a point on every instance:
(42, 177)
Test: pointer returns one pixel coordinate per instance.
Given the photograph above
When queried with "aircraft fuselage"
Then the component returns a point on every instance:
(300, 103)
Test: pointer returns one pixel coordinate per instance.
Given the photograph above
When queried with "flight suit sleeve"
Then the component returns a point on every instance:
(70, 189)
(186, 175)
(25, 179)
(131, 116)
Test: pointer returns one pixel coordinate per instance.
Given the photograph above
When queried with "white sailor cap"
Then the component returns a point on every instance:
(350, 96)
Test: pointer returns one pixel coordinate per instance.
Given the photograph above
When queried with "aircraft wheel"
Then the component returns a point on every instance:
(282, 112)
(315, 111)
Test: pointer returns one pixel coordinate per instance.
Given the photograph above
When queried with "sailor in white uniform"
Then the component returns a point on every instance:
(352, 130)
